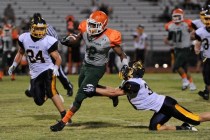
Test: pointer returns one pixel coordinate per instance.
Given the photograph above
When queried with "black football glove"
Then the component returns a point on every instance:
(65, 41)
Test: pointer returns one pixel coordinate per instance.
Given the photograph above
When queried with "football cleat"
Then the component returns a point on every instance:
(185, 84)
(58, 126)
(115, 100)
(204, 94)
(186, 126)
(70, 91)
(27, 93)
(192, 86)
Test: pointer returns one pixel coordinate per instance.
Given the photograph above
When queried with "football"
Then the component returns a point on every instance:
(70, 40)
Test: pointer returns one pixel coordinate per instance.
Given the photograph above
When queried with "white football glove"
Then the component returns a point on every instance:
(55, 70)
(12, 68)
(89, 88)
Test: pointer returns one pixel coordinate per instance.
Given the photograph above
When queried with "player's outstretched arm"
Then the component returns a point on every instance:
(110, 91)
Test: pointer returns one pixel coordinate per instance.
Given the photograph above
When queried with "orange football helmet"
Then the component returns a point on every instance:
(178, 15)
(96, 23)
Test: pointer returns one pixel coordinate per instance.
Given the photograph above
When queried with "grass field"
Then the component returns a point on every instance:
(20, 118)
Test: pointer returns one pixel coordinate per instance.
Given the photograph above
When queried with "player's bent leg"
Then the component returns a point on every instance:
(158, 120)
(58, 102)
(185, 115)
(38, 93)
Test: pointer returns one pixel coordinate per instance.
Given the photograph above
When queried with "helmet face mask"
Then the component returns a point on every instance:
(38, 27)
(94, 28)
(136, 71)
(178, 15)
(126, 72)
(96, 23)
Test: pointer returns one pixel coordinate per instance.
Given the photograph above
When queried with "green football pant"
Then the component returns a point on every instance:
(89, 74)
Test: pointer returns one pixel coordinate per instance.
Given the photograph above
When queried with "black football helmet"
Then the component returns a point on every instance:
(138, 69)
(126, 72)
(38, 27)
(135, 71)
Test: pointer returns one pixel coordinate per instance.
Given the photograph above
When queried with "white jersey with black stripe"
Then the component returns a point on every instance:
(205, 38)
(198, 23)
(146, 99)
(37, 53)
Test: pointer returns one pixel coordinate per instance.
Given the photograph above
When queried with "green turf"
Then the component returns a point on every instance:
(20, 118)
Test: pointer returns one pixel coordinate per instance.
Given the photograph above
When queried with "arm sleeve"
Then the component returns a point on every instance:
(131, 86)
(53, 48)
(170, 35)
(82, 26)
(21, 45)
(116, 38)
(197, 37)
(194, 26)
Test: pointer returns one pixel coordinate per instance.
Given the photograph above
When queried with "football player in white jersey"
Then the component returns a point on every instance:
(62, 77)
(179, 37)
(38, 48)
(142, 97)
(202, 36)
(198, 23)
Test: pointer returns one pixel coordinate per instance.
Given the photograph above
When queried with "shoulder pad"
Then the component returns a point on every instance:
(131, 86)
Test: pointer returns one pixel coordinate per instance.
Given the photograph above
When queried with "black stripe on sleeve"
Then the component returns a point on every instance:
(53, 48)
(21, 45)
(197, 37)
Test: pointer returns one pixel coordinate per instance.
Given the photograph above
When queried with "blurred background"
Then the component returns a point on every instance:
(124, 16)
